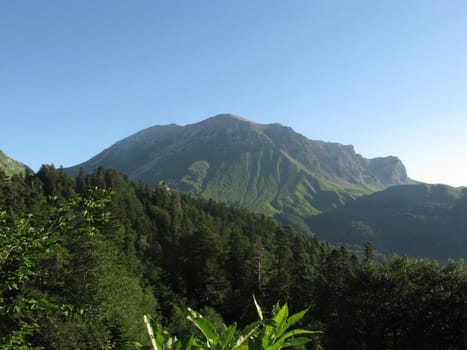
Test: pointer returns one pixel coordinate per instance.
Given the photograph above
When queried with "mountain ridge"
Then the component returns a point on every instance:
(267, 168)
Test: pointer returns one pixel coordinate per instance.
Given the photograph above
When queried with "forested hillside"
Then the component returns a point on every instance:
(82, 260)
(419, 220)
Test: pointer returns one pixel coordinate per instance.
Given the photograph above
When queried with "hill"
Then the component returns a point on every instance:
(420, 220)
(265, 168)
(11, 166)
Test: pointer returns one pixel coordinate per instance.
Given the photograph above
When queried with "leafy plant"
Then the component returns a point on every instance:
(20, 249)
(264, 334)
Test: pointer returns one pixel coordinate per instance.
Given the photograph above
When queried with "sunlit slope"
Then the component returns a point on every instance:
(11, 166)
(265, 168)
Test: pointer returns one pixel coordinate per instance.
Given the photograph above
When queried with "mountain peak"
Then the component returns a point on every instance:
(264, 167)
(230, 116)
(226, 119)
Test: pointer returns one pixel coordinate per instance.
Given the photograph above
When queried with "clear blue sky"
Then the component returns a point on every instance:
(388, 76)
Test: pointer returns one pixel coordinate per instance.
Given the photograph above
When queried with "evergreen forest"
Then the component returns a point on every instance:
(83, 259)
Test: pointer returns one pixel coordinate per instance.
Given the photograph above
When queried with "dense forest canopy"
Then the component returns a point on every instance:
(82, 260)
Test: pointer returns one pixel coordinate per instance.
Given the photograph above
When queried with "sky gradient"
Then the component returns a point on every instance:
(387, 76)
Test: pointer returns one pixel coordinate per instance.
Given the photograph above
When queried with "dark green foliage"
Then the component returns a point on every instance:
(263, 334)
(64, 274)
(418, 220)
(95, 254)
(21, 249)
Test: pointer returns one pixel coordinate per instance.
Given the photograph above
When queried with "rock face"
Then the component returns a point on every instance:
(389, 170)
(266, 168)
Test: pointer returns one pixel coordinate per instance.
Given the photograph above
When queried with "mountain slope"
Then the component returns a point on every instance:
(419, 220)
(11, 166)
(266, 168)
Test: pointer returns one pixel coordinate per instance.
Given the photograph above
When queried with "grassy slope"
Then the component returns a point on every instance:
(262, 180)
(265, 168)
(10, 166)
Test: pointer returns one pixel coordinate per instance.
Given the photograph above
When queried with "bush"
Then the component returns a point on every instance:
(267, 334)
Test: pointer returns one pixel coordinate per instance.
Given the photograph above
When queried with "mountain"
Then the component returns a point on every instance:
(419, 220)
(266, 168)
(11, 166)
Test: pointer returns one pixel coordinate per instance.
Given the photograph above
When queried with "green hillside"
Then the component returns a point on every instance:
(419, 220)
(11, 166)
(265, 168)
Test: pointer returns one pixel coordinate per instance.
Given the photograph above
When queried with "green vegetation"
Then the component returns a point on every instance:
(82, 260)
(10, 166)
(267, 169)
(269, 334)
(418, 220)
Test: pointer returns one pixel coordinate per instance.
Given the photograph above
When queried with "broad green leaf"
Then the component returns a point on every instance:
(299, 331)
(207, 329)
(251, 326)
(295, 332)
(160, 340)
(281, 317)
(296, 317)
(241, 347)
(296, 342)
(230, 331)
(247, 333)
(282, 314)
(189, 343)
